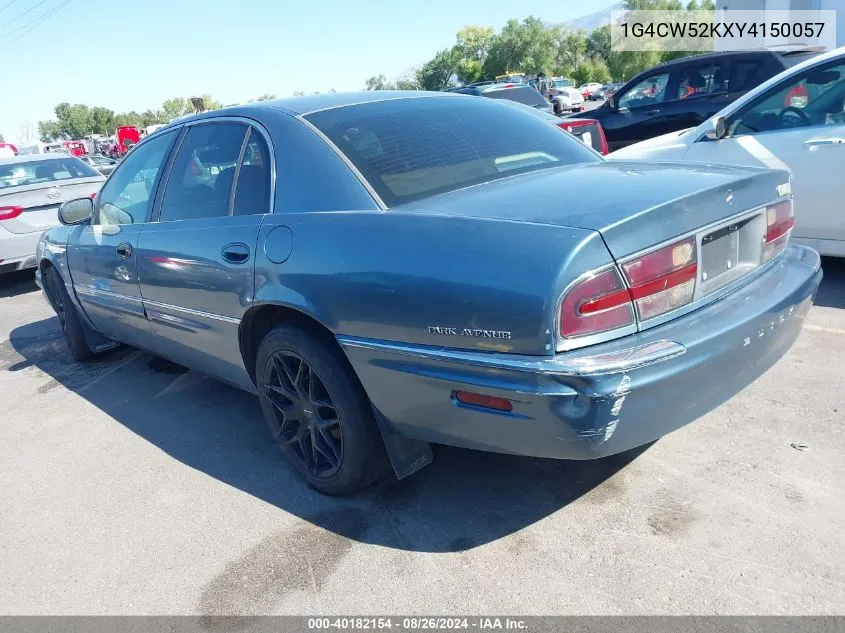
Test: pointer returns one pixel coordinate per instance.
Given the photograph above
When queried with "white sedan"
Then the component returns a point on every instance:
(795, 121)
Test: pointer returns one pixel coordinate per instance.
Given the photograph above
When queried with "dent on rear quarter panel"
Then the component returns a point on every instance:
(392, 276)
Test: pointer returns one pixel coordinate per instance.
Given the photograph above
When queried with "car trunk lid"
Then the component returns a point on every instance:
(634, 206)
(40, 202)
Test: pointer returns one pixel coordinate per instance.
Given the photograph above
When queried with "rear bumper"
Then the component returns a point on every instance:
(602, 400)
(17, 250)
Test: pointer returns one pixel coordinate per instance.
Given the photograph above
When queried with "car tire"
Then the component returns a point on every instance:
(69, 318)
(318, 412)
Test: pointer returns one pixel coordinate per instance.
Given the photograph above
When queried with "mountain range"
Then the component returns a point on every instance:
(595, 20)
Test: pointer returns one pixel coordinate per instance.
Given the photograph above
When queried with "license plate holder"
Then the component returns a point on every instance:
(720, 252)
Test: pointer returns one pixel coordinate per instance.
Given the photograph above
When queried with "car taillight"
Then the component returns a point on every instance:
(663, 280)
(92, 195)
(597, 303)
(599, 144)
(779, 223)
(8, 213)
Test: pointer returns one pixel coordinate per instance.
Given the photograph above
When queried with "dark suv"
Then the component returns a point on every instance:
(684, 92)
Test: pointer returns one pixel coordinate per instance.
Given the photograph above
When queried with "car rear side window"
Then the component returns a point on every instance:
(203, 173)
(410, 149)
(744, 75)
(252, 189)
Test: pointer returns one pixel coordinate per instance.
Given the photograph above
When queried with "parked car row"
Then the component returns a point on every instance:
(685, 92)
(769, 127)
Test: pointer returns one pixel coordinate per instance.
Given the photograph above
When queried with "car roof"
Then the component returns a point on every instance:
(29, 158)
(785, 50)
(312, 103)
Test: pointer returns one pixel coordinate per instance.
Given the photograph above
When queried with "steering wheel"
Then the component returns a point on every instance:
(805, 120)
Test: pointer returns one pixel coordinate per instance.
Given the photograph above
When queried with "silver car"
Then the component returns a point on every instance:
(102, 164)
(31, 189)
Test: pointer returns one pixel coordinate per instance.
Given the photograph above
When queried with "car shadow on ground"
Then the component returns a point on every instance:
(831, 293)
(463, 500)
(17, 283)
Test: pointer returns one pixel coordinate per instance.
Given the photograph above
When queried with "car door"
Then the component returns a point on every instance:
(196, 260)
(636, 113)
(805, 135)
(102, 255)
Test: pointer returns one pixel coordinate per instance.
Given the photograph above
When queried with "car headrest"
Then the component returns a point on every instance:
(696, 80)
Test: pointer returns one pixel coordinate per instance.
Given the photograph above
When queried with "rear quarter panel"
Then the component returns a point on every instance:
(394, 276)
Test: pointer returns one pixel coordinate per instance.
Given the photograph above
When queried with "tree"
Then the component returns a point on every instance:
(436, 74)
(598, 42)
(2, 138)
(127, 118)
(174, 107)
(74, 120)
(407, 83)
(152, 117)
(525, 46)
(378, 82)
(48, 131)
(27, 133)
(571, 47)
(298, 93)
(265, 97)
(102, 121)
(592, 70)
(209, 103)
(473, 44)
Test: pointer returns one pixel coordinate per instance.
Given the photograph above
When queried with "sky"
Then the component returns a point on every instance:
(134, 54)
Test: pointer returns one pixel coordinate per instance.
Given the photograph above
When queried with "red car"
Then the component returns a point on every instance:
(7, 148)
(127, 136)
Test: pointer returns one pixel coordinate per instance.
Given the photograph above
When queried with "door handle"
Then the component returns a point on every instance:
(124, 249)
(824, 141)
(652, 112)
(236, 253)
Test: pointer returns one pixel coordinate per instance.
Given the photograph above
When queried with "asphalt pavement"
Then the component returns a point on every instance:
(131, 486)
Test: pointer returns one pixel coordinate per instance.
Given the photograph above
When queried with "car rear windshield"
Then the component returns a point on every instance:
(521, 94)
(409, 149)
(41, 171)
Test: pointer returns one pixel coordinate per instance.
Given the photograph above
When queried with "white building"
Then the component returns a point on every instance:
(785, 9)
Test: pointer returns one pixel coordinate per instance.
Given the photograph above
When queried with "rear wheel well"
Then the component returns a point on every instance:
(44, 264)
(260, 320)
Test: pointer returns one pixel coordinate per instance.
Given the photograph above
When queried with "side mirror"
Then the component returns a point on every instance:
(77, 211)
(611, 102)
(716, 129)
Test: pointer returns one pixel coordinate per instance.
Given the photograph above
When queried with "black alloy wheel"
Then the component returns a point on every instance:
(317, 410)
(304, 418)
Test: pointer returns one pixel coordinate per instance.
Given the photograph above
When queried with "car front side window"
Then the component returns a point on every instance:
(649, 91)
(127, 196)
(815, 97)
